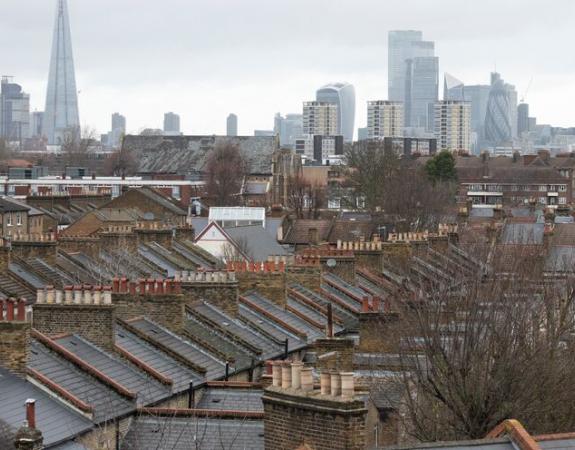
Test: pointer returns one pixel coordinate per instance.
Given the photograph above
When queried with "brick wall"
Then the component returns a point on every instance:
(271, 285)
(370, 259)
(14, 344)
(308, 276)
(222, 295)
(167, 310)
(162, 237)
(118, 241)
(396, 254)
(344, 267)
(93, 322)
(342, 360)
(47, 250)
(379, 332)
(321, 423)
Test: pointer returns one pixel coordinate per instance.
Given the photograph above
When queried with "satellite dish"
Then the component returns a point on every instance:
(149, 216)
(331, 262)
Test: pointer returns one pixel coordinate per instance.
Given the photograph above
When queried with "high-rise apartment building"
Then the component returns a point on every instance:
(320, 118)
(232, 125)
(288, 128)
(522, 119)
(118, 130)
(171, 124)
(452, 125)
(61, 117)
(478, 96)
(343, 95)
(14, 112)
(413, 74)
(384, 119)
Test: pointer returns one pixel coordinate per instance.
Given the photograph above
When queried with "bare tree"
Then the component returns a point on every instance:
(121, 163)
(76, 149)
(489, 349)
(225, 170)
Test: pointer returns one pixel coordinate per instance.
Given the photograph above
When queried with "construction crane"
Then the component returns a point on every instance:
(526, 90)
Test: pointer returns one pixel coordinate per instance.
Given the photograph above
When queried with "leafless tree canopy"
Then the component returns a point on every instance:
(305, 199)
(121, 163)
(491, 348)
(225, 170)
(76, 149)
(397, 186)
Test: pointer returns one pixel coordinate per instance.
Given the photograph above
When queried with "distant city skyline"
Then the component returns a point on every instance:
(493, 36)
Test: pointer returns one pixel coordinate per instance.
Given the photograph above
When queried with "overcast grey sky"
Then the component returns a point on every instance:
(204, 59)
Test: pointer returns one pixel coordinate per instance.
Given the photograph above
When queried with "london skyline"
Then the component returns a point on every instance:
(238, 58)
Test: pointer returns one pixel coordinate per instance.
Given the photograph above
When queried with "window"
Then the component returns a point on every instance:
(18, 218)
(562, 188)
(542, 188)
(9, 219)
(543, 200)
(562, 200)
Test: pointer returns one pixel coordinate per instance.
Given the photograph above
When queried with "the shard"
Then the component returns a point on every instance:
(61, 118)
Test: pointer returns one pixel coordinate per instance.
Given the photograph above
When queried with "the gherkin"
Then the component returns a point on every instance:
(498, 125)
(61, 117)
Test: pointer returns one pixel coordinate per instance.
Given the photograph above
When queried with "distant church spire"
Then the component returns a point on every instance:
(61, 115)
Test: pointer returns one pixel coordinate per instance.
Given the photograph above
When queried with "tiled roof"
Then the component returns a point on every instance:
(57, 422)
(232, 399)
(107, 403)
(523, 233)
(351, 230)
(152, 433)
(158, 360)
(256, 242)
(148, 389)
(188, 154)
(215, 368)
(299, 231)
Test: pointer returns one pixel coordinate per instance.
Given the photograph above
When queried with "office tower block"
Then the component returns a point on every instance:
(362, 133)
(14, 112)
(522, 119)
(421, 91)
(288, 128)
(36, 120)
(320, 118)
(61, 117)
(343, 95)
(501, 115)
(118, 130)
(232, 125)
(452, 125)
(384, 118)
(171, 124)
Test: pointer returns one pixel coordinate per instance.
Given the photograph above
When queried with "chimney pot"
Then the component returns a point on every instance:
(296, 367)
(68, 294)
(78, 295)
(21, 313)
(347, 385)
(116, 284)
(325, 382)
(59, 296)
(49, 294)
(365, 304)
(286, 375)
(97, 295)
(124, 285)
(276, 374)
(335, 384)
(31, 413)
(1, 310)
(40, 296)
(306, 379)
(107, 295)
(9, 310)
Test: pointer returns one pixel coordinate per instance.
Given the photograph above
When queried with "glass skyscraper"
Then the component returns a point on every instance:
(61, 117)
(343, 95)
(14, 112)
(501, 115)
(413, 76)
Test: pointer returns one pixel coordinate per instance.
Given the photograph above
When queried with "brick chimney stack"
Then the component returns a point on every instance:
(84, 310)
(14, 335)
(28, 437)
(294, 411)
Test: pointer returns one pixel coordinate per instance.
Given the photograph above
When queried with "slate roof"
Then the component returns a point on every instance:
(215, 367)
(9, 206)
(259, 243)
(152, 433)
(162, 200)
(299, 231)
(237, 328)
(158, 360)
(523, 233)
(351, 230)
(188, 154)
(148, 389)
(231, 399)
(57, 422)
(287, 317)
(107, 403)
